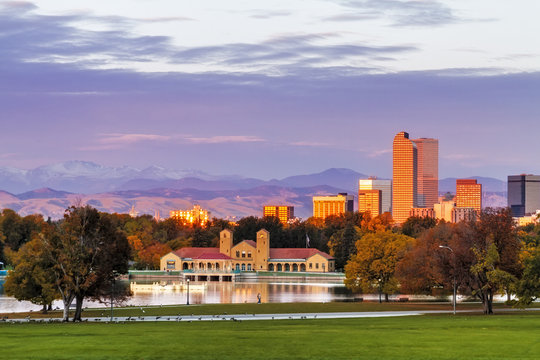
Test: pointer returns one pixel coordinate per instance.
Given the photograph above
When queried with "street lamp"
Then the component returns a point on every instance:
(187, 291)
(454, 273)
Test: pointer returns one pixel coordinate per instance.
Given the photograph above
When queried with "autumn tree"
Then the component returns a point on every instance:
(31, 279)
(373, 267)
(342, 244)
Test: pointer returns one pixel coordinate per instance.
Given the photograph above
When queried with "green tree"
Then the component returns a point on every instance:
(528, 288)
(373, 267)
(342, 244)
(416, 225)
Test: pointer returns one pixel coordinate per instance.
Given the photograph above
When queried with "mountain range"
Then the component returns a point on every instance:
(50, 189)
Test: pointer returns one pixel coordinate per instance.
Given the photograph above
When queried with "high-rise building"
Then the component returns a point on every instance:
(197, 215)
(370, 201)
(469, 194)
(523, 194)
(385, 187)
(324, 206)
(282, 212)
(404, 175)
(427, 172)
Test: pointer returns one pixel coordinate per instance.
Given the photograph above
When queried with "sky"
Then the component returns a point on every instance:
(270, 89)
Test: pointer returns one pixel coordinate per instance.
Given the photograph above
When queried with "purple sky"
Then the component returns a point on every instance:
(64, 95)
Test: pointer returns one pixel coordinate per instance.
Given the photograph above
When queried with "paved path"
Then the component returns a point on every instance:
(247, 317)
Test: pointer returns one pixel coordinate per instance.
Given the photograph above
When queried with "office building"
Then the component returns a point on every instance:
(283, 212)
(370, 201)
(385, 187)
(324, 206)
(422, 212)
(443, 210)
(464, 214)
(197, 215)
(427, 172)
(469, 194)
(523, 194)
(404, 176)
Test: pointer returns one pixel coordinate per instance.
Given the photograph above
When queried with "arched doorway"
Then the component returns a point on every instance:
(303, 267)
(217, 266)
(295, 267)
(237, 267)
(271, 267)
(279, 267)
(287, 267)
(185, 266)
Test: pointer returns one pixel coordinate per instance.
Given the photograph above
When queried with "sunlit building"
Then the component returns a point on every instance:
(469, 194)
(197, 215)
(369, 201)
(385, 195)
(427, 172)
(464, 214)
(523, 194)
(404, 176)
(324, 206)
(443, 210)
(422, 212)
(283, 212)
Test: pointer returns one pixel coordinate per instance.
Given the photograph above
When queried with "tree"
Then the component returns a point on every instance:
(150, 256)
(31, 279)
(415, 225)
(528, 288)
(342, 244)
(374, 265)
(87, 250)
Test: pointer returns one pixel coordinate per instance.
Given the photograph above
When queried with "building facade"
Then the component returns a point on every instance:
(324, 206)
(523, 194)
(282, 212)
(464, 214)
(427, 172)
(469, 194)
(422, 212)
(385, 188)
(247, 255)
(404, 176)
(370, 201)
(443, 210)
(197, 215)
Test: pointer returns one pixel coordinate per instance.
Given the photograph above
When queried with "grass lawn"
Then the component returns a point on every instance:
(251, 308)
(509, 336)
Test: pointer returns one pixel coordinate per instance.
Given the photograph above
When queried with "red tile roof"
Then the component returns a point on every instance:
(200, 253)
(294, 253)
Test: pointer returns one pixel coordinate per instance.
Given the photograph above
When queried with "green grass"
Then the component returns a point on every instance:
(511, 336)
(266, 308)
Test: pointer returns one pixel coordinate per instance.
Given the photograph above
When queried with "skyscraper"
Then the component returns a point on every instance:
(428, 172)
(523, 194)
(385, 187)
(404, 175)
(469, 194)
(370, 201)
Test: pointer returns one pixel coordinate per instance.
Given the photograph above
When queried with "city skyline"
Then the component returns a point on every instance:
(309, 87)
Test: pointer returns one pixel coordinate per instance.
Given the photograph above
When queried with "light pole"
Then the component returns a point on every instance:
(187, 291)
(454, 273)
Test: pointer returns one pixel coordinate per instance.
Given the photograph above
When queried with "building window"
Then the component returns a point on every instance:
(249, 267)
(310, 265)
(316, 265)
(238, 254)
(237, 267)
(243, 267)
(243, 254)
(249, 254)
(171, 264)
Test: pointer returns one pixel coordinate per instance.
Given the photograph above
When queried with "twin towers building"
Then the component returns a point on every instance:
(415, 175)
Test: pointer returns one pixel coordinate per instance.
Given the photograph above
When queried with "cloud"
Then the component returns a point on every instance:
(121, 140)
(224, 139)
(402, 12)
(269, 14)
(377, 153)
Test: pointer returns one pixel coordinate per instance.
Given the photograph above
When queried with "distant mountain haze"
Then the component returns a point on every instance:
(117, 189)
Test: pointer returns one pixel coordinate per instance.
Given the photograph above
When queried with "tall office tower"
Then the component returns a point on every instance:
(404, 175)
(523, 194)
(428, 172)
(370, 201)
(385, 186)
(283, 213)
(469, 194)
(324, 206)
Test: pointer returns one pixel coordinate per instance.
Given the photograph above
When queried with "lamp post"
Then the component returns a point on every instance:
(454, 273)
(187, 291)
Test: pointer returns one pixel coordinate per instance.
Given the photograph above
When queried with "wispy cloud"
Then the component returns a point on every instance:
(224, 139)
(111, 141)
(377, 153)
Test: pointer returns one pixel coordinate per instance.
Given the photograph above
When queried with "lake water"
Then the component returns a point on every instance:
(214, 292)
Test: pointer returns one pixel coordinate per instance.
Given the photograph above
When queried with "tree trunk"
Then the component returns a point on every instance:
(67, 303)
(44, 309)
(78, 308)
(386, 298)
(490, 301)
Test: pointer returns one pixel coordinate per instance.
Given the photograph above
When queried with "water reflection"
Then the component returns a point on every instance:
(213, 293)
